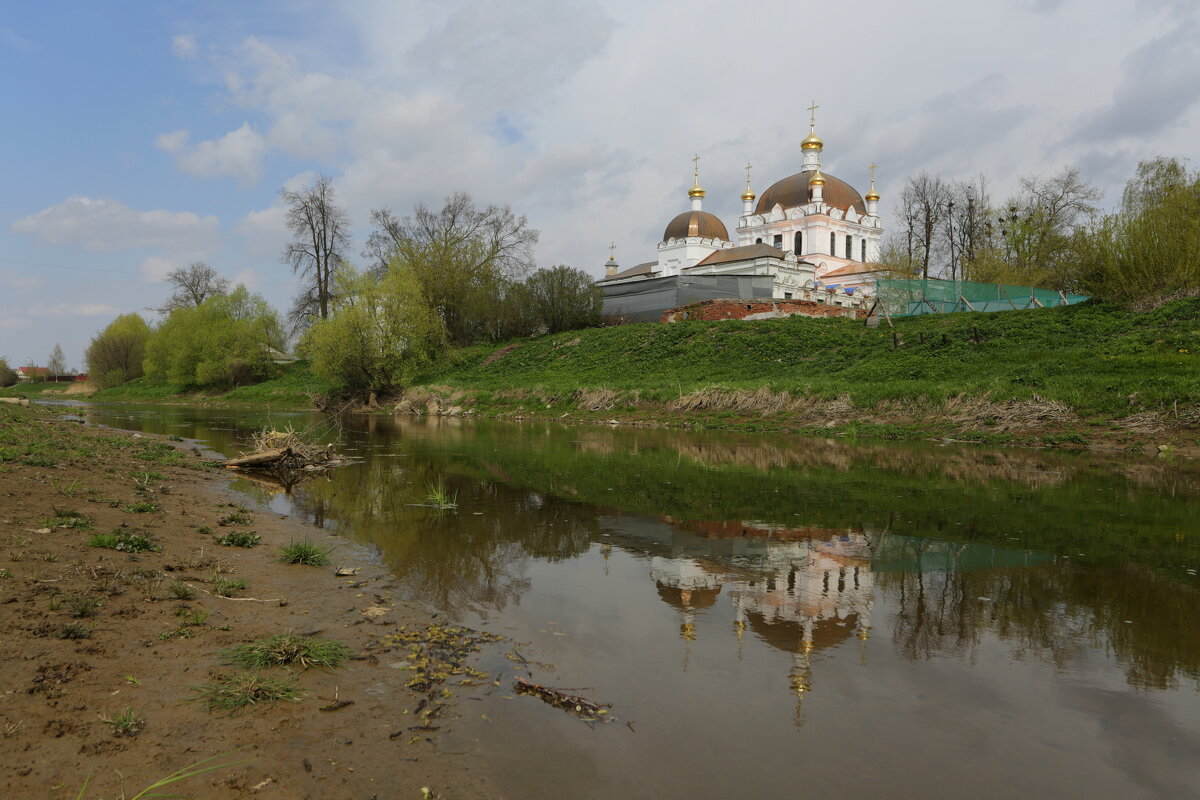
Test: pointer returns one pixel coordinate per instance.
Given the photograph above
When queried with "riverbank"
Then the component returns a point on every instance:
(103, 651)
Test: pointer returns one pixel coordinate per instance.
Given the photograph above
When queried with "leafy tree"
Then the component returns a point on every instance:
(461, 256)
(379, 334)
(8, 375)
(320, 231)
(57, 365)
(193, 284)
(227, 340)
(115, 354)
(564, 298)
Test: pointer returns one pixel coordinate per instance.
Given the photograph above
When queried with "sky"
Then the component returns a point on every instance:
(142, 136)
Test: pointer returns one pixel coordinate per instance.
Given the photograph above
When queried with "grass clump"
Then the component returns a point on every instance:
(124, 540)
(64, 518)
(127, 724)
(141, 507)
(225, 587)
(439, 496)
(81, 607)
(234, 693)
(182, 591)
(239, 517)
(74, 630)
(304, 552)
(288, 648)
(240, 539)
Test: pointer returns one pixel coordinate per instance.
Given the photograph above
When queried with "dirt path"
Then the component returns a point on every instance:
(87, 632)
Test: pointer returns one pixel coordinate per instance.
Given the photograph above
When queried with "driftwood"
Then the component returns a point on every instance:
(586, 710)
(267, 458)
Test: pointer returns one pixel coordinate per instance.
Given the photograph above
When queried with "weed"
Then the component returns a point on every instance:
(125, 540)
(83, 606)
(203, 529)
(437, 495)
(224, 587)
(304, 552)
(67, 519)
(126, 724)
(240, 539)
(4, 573)
(67, 488)
(182, 591)
(190, 771)
(191, 618)
(288, 648)
(56, 602)
(131, 680)
(239, 517)
(141, 507)
(234, 693)
(74, 630)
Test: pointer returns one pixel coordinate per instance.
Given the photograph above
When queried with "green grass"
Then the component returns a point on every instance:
(125, 540)
(68, 519)
(294, 388)
(74, 630)
(226, 587)
(239, 517)
(240, 539)
(436, 494)
(1091, 357)
(234, 693)
(127, 724)
(141, 507)
(286, 649)
(82, 607)
(304, 552)
(182, 591)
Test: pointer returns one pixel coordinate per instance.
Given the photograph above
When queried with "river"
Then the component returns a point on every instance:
(774, 615)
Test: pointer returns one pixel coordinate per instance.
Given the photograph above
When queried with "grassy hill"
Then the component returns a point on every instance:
(1085, 366)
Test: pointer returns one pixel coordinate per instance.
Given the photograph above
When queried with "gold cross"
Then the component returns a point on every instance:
(611, 249)
(696, 163)
(812, 115)
(747, 175)
(873, 168)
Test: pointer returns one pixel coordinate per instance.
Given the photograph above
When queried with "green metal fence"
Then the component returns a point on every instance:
(907, 297)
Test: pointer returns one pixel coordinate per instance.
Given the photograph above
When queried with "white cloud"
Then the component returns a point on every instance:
(155, 269)
(238, 154)
(247, 277)
(59, 310)
(184, 46)
(103, 224)
(12, 321)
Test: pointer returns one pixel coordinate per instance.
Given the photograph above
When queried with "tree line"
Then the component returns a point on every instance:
(1051, 233)
(435, 280)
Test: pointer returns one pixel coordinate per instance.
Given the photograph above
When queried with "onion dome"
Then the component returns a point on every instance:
(795, 191)
(748, 196)
(696, 191)
(696, 223)
(817, 179)
(872, 195)
(812, 142)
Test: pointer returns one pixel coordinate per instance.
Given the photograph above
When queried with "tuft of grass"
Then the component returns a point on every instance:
(240, 539)
(225, 587)
(239, 517)
(74, 630)
(191, 618)
(182, 591)
(234, 693)
(203, 529)
(141, 507)
(304, 552)
(124, 540)
(64, 518)
(438, 495)
(285, 649)
(82, 607)
(4, 573)
(127, 724)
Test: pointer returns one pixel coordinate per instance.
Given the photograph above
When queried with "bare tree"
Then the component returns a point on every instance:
(383, 241)
(968, 213)
(193, 284)
(924, 207)
(320, 231)
(57, 365)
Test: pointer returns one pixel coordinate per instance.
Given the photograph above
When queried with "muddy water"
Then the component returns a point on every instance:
(781, 616)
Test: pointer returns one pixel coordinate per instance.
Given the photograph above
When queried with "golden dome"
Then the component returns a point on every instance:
(812, 142)
(817, 179)
(748, 195)
(695, 191)
(872, 196)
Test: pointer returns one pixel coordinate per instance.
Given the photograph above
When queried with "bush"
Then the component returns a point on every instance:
(564, 298)
(117, 352)
(8, 375)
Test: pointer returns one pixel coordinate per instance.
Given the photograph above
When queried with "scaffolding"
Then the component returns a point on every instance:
(908, 297)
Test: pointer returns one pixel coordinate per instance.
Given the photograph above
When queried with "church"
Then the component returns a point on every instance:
(809, 237)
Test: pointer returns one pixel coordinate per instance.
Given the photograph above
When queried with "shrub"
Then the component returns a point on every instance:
(304, 552)
(116, 353)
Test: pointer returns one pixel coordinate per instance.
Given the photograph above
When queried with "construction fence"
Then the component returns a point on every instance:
(908, 297)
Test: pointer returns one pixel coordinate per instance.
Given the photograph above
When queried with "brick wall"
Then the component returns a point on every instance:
(759, 309)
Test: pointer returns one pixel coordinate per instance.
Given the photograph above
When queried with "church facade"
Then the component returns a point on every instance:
(810, 236)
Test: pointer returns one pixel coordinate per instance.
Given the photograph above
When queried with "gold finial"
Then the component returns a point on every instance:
(817, 179)
(612, 248)
(747, 195)
(812, 141)
(872, 194)
(696, 191)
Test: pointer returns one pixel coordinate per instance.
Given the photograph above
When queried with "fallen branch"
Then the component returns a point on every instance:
(587, 710)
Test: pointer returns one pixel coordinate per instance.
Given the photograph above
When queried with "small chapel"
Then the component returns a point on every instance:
(810, 236)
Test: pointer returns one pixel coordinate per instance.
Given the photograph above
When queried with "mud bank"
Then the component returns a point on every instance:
(88, 632)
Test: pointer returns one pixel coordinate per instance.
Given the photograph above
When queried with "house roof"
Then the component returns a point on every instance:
(743, 253)
(854, 269)
(641, 269)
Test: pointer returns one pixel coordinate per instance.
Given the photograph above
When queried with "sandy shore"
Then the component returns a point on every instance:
(146, 648)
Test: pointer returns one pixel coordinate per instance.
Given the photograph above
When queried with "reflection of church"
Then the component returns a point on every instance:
(799, 596)
(810, 236)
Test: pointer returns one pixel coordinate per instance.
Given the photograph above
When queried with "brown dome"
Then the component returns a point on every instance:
(696, 223)
(792, 192)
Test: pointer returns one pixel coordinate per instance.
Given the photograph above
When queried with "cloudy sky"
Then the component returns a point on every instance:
(138, 136)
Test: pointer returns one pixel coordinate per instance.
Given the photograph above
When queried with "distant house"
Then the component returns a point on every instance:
(31, 374)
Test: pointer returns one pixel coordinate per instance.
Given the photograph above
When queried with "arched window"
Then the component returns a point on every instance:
(798, 246)
(832, 243)
(849, 247)
(758, 240)
(864, 250)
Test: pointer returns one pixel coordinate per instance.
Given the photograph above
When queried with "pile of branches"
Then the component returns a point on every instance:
(287, 455)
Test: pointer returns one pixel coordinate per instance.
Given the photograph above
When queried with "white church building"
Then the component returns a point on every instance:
(810, 236)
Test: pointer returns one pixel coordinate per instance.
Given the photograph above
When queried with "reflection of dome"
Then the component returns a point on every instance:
(696, 223)
(683, 599)
(794, 191)
(788, 635)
